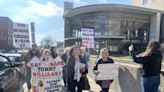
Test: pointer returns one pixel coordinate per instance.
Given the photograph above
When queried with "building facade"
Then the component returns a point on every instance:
(115, 26)
(153, 4)
(6, 34)
(33, 32)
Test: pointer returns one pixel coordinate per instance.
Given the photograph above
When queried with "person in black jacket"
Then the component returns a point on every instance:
(151, 66)
(104, 59)
(76, 69)
(65, 57)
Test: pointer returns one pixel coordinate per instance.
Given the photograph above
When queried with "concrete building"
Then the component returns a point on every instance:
(68, 6)
(153, 4)
(6, 34)
(115, 26)
(33, 32)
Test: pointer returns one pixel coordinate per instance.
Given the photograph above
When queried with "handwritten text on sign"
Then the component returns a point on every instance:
(46, 76)
(87, 37)
(107, 71)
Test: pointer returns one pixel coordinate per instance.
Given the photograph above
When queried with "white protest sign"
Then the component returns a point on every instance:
(107, 71)
(21, 35)
(46, 76)
(87, 37)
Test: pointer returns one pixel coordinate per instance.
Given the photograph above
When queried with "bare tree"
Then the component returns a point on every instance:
(47, 42)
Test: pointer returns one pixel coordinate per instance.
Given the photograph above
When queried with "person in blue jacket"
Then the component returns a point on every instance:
(151, 61)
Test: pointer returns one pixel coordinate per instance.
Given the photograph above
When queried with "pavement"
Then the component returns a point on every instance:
(94, 87)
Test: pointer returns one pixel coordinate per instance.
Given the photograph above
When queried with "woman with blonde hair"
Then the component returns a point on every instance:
(76, 69)
(103, 59)
(46, 56)
(151, 66)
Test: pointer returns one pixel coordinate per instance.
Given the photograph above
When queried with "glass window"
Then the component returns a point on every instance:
(136, 33)
(129, 23)
(145, 35)
(113, 48)
(4, 64)
(14, 59)
(145, 2)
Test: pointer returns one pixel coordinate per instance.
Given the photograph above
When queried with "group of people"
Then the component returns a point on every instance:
(76, 60)
(75, 67)
(44, 55)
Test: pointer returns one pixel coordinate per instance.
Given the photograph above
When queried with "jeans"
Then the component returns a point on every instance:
(150, 84)
(28, 77)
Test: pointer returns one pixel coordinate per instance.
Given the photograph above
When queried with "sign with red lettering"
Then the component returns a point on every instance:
(46, 76)
(87, 37)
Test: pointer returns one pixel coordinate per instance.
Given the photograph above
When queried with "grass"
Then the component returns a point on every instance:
(126, 57)
(122, 57)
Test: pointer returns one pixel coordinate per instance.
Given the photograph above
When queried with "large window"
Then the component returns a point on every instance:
(112, 24)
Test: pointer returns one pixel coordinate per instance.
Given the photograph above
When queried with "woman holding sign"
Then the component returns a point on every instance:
(75, 69)
(47, 56)
(104, 59)
(151, 66)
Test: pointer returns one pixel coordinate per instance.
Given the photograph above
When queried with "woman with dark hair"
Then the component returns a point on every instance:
(151, 66)
(75, 69)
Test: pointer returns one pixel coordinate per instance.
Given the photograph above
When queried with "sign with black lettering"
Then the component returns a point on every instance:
(21, 35)
(46, 76)
(87, 37)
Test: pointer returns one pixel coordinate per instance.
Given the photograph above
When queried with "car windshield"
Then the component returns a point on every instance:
(3, 63)
(14, 59)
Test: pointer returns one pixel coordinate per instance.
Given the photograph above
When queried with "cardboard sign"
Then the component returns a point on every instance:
(46, 76)
(107, 71)
(21, 35)
(87, 37)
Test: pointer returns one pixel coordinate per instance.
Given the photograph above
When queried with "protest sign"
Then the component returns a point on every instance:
(107, 71)
(87, 37)
(46, 76)
(21, 35)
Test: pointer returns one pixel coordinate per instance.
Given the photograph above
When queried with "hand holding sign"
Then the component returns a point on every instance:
(96, 72)
(107, 71)
(46, 76)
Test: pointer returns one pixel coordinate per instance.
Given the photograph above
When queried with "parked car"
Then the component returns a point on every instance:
(9, 76)
(16, 59)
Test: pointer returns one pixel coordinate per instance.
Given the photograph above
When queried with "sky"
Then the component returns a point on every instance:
(47, 14)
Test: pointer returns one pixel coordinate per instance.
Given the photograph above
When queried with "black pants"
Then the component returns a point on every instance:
(72, 84)
(28, 77)
(104, 90)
